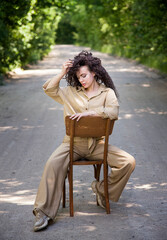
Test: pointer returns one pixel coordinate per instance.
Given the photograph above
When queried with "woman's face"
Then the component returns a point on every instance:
(85, 77)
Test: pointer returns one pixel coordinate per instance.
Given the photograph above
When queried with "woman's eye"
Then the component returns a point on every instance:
(84, 76)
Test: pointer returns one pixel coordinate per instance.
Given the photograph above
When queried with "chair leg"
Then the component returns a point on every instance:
(98, 172)
(71, 190)
(64, 194)
(97, 169)
(106, 189)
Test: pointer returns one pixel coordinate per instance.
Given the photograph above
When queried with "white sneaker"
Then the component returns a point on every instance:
(101, 200)
(41, 220)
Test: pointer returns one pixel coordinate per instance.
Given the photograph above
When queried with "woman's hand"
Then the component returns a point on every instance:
(77, 116)
(66, 66)
(55, 80)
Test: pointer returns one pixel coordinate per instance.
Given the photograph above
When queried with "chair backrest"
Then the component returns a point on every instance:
(90, 126)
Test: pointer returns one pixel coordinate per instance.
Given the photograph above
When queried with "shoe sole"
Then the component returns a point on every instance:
(42, 226)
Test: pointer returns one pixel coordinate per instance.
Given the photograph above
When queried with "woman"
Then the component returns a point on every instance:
(90, 92)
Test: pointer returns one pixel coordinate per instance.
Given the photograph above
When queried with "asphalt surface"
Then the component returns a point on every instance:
(31, 128)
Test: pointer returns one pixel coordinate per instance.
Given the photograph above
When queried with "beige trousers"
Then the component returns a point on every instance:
(50, 188)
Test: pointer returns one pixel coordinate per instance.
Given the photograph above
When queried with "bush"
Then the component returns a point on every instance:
(28, 30)
(130, 28)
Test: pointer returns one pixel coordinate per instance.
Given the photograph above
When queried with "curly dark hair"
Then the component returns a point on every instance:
(85, 58)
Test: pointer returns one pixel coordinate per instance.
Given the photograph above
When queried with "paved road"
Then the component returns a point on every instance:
(31, 127)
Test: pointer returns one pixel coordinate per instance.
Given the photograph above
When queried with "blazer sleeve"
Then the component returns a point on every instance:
(57, 93)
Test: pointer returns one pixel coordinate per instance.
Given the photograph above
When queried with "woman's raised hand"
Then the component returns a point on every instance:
(66, 66)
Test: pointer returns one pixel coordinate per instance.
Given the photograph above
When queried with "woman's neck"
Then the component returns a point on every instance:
(92, 90)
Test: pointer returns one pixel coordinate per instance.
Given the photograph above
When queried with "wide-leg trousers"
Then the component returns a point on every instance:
(51, 185)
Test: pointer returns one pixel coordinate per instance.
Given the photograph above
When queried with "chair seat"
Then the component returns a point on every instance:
(85, 161)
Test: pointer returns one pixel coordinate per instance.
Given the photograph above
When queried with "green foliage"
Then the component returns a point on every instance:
(27, 30)
(131, 28)
(65, 33)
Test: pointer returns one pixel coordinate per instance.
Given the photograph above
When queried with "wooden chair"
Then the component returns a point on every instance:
(90, 126)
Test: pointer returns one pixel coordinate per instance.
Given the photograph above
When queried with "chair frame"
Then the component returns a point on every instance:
(87, 127)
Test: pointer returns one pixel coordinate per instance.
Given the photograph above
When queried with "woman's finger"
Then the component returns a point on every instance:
(79, 117)
(74, 117)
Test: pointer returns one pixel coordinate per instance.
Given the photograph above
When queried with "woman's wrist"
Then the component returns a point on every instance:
(61, 75)
(55, 80)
